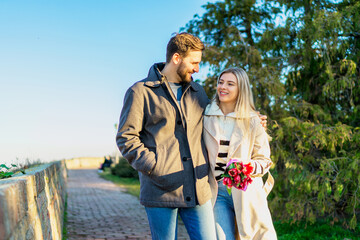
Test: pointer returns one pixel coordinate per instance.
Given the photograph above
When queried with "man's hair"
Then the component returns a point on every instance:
(183, 43)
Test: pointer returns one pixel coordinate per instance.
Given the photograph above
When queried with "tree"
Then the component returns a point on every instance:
(232, 30)
(305, 77)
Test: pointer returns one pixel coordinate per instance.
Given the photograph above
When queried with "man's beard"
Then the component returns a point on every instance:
(185, 76)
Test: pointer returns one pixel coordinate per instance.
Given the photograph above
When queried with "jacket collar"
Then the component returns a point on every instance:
(156, 78)
(214, 110)
(194, 86)
(212, 126)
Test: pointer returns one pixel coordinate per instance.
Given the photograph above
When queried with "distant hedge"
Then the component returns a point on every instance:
(123, 169)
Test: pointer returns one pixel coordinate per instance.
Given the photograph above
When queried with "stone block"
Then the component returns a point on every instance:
(13, 205)
(40, 181)
(84, 163)
(41, 200)
(32, 205)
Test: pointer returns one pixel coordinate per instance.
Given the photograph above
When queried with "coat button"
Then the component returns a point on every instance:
(184, 159)
(188, 199)
(179, 122)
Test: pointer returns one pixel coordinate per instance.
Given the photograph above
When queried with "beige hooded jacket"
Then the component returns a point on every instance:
(251, 208)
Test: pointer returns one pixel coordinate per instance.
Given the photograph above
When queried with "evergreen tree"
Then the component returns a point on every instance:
(305, 75)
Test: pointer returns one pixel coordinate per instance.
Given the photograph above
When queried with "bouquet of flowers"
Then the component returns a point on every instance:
(237, 174)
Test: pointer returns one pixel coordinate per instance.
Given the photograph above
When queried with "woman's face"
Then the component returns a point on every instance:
(227, 88)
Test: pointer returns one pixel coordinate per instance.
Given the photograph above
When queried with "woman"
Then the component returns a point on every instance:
(232, 129)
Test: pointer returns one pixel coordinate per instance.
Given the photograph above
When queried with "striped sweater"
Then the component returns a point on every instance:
(226, 127)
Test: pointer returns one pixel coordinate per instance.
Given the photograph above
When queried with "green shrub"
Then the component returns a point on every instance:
(124, 170)
(305, 78)
(316, 172)
(5, 171)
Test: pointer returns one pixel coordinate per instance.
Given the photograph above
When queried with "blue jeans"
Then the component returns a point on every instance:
(199, 222)
(224, 214)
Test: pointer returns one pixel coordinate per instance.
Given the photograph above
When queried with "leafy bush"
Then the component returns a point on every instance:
(316, 171)
(305, 73)
(123, 169)
(4, 171)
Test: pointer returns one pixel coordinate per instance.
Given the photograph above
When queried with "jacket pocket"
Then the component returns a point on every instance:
(159, 153)
(162, 176)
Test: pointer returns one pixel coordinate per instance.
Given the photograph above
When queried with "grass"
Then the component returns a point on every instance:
(131, 185)
(64, 231)
(321, 230)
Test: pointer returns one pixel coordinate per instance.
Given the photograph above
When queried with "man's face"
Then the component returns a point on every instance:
(188, 66)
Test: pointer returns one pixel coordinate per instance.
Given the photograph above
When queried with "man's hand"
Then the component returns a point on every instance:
(263, 119)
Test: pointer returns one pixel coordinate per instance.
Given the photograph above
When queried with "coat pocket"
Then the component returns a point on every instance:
(159, 153)
(163, 176)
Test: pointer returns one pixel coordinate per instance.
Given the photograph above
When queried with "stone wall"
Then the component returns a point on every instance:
(84, 162)
(32, 205)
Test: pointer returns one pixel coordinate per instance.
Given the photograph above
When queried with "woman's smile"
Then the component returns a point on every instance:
(228, 89)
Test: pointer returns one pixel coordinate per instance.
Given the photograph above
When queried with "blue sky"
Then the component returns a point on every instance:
(65, 66)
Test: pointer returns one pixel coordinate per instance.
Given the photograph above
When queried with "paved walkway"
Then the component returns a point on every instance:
(98, 209)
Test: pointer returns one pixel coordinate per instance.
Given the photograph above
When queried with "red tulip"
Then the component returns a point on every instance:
(233, 172)
(237, 179)
(227, 181)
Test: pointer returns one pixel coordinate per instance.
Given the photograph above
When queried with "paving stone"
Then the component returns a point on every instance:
(98, 209)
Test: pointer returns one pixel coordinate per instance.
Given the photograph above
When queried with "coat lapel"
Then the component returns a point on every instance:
(238, 141)
(235, 141)
(211, 126)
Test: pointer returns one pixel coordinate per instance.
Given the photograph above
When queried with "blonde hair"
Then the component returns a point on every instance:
(245, 100)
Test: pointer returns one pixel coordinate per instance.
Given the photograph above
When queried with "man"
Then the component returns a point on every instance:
(160, 134)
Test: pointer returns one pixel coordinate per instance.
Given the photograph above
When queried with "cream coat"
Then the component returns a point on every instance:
(251, 208)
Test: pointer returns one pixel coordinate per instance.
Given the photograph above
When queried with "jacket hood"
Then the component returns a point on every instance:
(214, 110)
(156, 78)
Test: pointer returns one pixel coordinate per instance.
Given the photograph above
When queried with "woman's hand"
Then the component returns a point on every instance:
(263, 119)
